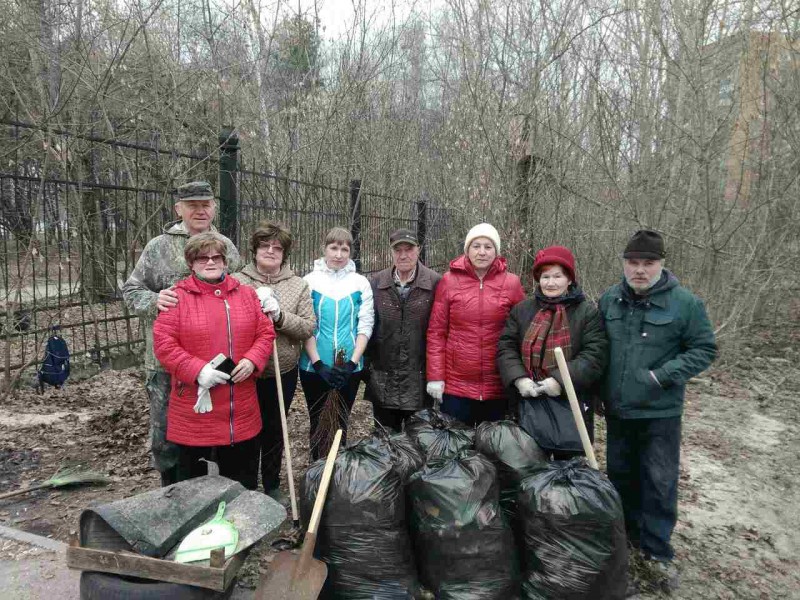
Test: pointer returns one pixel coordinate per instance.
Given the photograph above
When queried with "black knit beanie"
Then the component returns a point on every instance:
(645, 243)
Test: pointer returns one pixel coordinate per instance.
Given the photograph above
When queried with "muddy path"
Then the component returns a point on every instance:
(737, 536)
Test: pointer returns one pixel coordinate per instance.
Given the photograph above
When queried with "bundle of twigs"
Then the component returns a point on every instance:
(333, 416)
(65, 476)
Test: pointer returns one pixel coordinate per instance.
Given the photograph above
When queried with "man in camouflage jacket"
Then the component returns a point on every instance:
(148, 290)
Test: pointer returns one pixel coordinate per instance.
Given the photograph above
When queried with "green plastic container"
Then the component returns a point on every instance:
(217, 533)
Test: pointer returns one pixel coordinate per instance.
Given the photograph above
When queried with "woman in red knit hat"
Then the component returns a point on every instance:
(558, 315)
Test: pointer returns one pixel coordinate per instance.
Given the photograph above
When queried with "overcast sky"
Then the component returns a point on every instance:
(338, 16)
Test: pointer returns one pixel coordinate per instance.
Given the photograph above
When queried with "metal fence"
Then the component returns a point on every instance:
(77, 209)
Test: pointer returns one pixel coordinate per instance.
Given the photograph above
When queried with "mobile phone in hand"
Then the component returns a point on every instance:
(223, 363)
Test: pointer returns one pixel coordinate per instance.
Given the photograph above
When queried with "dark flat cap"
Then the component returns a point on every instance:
(403, 236)
(195, 190)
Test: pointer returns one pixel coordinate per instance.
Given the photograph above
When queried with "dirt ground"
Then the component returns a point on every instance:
(739, 498)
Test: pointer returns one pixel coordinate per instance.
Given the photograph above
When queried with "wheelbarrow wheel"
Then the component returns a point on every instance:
(104, 586)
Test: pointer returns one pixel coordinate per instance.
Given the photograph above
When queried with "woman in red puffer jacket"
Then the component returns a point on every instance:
(213, 415)
(472, 302)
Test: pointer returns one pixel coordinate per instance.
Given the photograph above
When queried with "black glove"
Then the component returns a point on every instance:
(329, 375)
(346, 371)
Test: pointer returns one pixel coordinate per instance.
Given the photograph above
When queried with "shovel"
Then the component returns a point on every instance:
(576, 409)
(301, 577)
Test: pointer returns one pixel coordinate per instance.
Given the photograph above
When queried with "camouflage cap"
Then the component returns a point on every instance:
(195, 190)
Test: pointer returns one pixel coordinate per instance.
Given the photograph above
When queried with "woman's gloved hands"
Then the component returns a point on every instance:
(330, 375)
(269, 303)
(549, 386)
(526, 387)
(209, 377)
(435, 389)
(345, 372)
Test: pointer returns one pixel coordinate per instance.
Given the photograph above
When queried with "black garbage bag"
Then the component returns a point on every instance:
(574, 530)
(438, 434)
(464, 546)
(515, 455)
(363, 534)
(406, 455)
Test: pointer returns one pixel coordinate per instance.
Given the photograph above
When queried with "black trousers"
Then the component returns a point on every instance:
(316, 392)
(474, 412)
(237, 461)
(271, 436)
(643, 460)
(391, 418)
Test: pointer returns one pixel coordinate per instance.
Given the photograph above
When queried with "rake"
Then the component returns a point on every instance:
(65, 476)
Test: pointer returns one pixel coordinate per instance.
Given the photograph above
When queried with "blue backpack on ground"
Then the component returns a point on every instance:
(54, 369)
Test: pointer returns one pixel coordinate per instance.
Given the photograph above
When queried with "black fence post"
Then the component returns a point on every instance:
(228, 194)
(422, 226)
(355, 221)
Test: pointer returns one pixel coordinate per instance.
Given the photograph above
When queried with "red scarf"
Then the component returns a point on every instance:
(548, 330)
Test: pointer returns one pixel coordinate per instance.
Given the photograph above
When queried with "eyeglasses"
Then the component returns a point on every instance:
(277, 248)
(216, 258)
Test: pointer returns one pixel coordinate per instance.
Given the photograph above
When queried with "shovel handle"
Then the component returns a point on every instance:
(287, 449)
(323, 484)
(576, 409)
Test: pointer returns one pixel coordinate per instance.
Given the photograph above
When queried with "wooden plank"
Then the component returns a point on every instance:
(136, 565)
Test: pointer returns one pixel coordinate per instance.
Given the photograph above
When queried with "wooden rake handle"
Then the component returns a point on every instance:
(287, 449)
(576, 409)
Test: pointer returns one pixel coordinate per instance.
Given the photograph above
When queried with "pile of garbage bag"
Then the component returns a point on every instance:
(574, 534)
(456, 510)
(464, 546)
(363, 534)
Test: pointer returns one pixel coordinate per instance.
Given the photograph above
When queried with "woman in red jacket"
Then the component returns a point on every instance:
(469, 312)
(211, 414)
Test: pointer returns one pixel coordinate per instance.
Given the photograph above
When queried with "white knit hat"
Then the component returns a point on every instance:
(483, 230)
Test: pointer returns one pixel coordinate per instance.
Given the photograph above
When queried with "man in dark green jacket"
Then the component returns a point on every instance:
(660, 337)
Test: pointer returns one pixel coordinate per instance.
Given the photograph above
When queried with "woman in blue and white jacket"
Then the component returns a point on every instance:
(345, 314)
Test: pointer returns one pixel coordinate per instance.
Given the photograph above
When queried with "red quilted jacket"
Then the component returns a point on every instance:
(466, 322)
(185, 338)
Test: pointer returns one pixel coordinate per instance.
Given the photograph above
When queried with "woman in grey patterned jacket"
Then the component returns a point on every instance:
(286, 298)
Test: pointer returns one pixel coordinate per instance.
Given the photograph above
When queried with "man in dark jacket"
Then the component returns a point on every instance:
(403, 296)
(660, 337)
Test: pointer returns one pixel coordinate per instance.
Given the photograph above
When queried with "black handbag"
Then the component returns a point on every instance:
(549, 421)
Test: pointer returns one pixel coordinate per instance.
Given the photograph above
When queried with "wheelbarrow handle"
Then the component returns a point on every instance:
(576, 409)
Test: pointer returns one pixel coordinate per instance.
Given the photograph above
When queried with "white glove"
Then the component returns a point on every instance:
(548, 386)
(435, 389)
(526, 387)
(203, 404)
(209, 377)
(269, 303)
